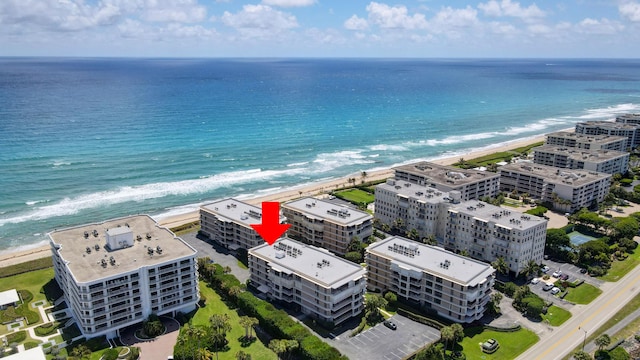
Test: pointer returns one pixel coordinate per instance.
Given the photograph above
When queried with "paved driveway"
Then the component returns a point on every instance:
(158, 348)
(381, 342)
(216, 253)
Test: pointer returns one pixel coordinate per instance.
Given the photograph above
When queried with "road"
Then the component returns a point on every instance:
(563, 340)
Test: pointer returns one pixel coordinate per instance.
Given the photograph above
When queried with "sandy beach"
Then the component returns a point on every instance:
(11, 258)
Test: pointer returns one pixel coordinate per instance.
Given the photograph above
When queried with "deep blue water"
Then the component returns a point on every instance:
(84, 140)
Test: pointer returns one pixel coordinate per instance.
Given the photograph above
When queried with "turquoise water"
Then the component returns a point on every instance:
(90, 139)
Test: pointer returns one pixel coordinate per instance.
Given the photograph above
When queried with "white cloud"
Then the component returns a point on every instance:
(289, 3)
(630, 10)
(454, 22)
(259, 21)
(325, 36)
(599, 27)
(502, 28)
(394, 17)
(513, 9)
(356, 23)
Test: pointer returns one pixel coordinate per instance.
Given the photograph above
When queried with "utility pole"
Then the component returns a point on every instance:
(585, 337)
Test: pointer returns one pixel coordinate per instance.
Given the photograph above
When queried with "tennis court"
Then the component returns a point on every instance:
(579, 238)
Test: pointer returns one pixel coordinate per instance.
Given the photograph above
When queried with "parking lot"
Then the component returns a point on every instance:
(380, 342)
(216, 253)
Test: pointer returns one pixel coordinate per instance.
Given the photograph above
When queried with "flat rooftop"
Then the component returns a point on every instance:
(325, 210)
(235, 211)
(556, 175)
(581, 154)
(414, 191)
(431, 259)
(495, 214)
(310, 262)
(634, 118)
(584, 138)
(446, 175)
(83, 254)
(609, 125)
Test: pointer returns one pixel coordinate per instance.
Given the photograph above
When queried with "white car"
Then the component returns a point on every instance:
(555, 290)
(545, 269)
(557, 274)
(535, 281)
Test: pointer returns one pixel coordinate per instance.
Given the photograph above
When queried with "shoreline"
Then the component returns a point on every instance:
(9, 257)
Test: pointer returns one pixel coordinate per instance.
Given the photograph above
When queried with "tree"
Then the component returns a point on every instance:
(602, 341)
(501, 266)
(189, 334)
(81, 352)
(391, 298)
(234, 291)
(248, 323)
(430, 240)
(413, 234)
(241, 355)
(354, 256)
(219, 328)
(582, 355)
(283, 347)
(557, 242)
(363, 175)
(625, 228)
(203, 354)
(447, 334)
(432, 352)
(458, 332)
(373, 304)
(496, 297)
(530, 269)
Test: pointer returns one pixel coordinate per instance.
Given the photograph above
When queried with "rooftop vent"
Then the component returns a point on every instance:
(158, 249)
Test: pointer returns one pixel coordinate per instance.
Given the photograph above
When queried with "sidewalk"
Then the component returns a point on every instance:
(591, 347)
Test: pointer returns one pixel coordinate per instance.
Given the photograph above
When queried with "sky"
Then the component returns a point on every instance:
(321, 28)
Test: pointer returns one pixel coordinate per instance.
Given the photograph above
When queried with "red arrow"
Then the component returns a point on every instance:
(270, 229)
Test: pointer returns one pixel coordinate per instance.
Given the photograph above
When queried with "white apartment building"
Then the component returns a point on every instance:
(628, 119)
(322, 285)
(469, 226)
(228, 222)
(456, 287)
(116, 273)
(569, 190)
(587, 142)
(324, 224)
(472, 184)
(629, 130)
(605, 161)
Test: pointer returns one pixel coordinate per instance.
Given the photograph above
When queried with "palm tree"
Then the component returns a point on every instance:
(282, 347)
(582, 355)
(203, 354)
(413, 234)
(430, 240)
(241, 355)
(363, 175)
(447, 334)
(501, 266)
(234, 291)
(248, 323)
(190, 333)
(531, 268)
(220, 327)
(81, 352)
(602, 341)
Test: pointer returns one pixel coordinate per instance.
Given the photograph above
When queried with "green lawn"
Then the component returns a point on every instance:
(32, 281)
(356, 196)
(583, 294)
(215, 305)
(556, 315)
(512, 344)
(621, 268)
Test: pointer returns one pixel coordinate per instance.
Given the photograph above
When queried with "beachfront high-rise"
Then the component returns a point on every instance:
(587, 142)
(628, 130)
(628, 119)
(456, 287)
(606, 161)
(325, 224)
(472, 184)
(116, 273)
(484, 231)
(228, 222)
(568, 190)
(322, 285)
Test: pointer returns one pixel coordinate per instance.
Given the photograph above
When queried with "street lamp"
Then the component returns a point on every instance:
(585, 337)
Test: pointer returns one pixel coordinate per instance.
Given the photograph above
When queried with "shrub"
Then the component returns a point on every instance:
(134, 354)
(596, 270)
(510, 289)
(391, 298)
(25, 295)
(110, 354)
(17, 337)
(46, 329)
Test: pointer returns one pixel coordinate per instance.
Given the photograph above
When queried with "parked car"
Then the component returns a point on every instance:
(545, 269)
(490, 346)
(557, 274)
(547, 287)
(535, 281)
(564, 277)
(583, 271)
(390, 324)
(555, 290)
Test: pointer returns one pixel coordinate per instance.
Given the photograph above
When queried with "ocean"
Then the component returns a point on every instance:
(89, 139)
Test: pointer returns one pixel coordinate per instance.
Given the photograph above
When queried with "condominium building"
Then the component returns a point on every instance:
(628, 130)
(116, 273)
(322, 285)
(456, 287)
(325, 224)
(228, 222)
(568, 190)
(470, 226)
(588, 142)
(628, 119)
(605, 161)
(472, 184)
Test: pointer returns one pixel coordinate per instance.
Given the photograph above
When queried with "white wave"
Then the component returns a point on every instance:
(31, 203)
(609, 112)
(59, 163)
(456, 139)
(385, 147)
(21, 248)
(298, 164)
(71, 206)
(330, 161)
